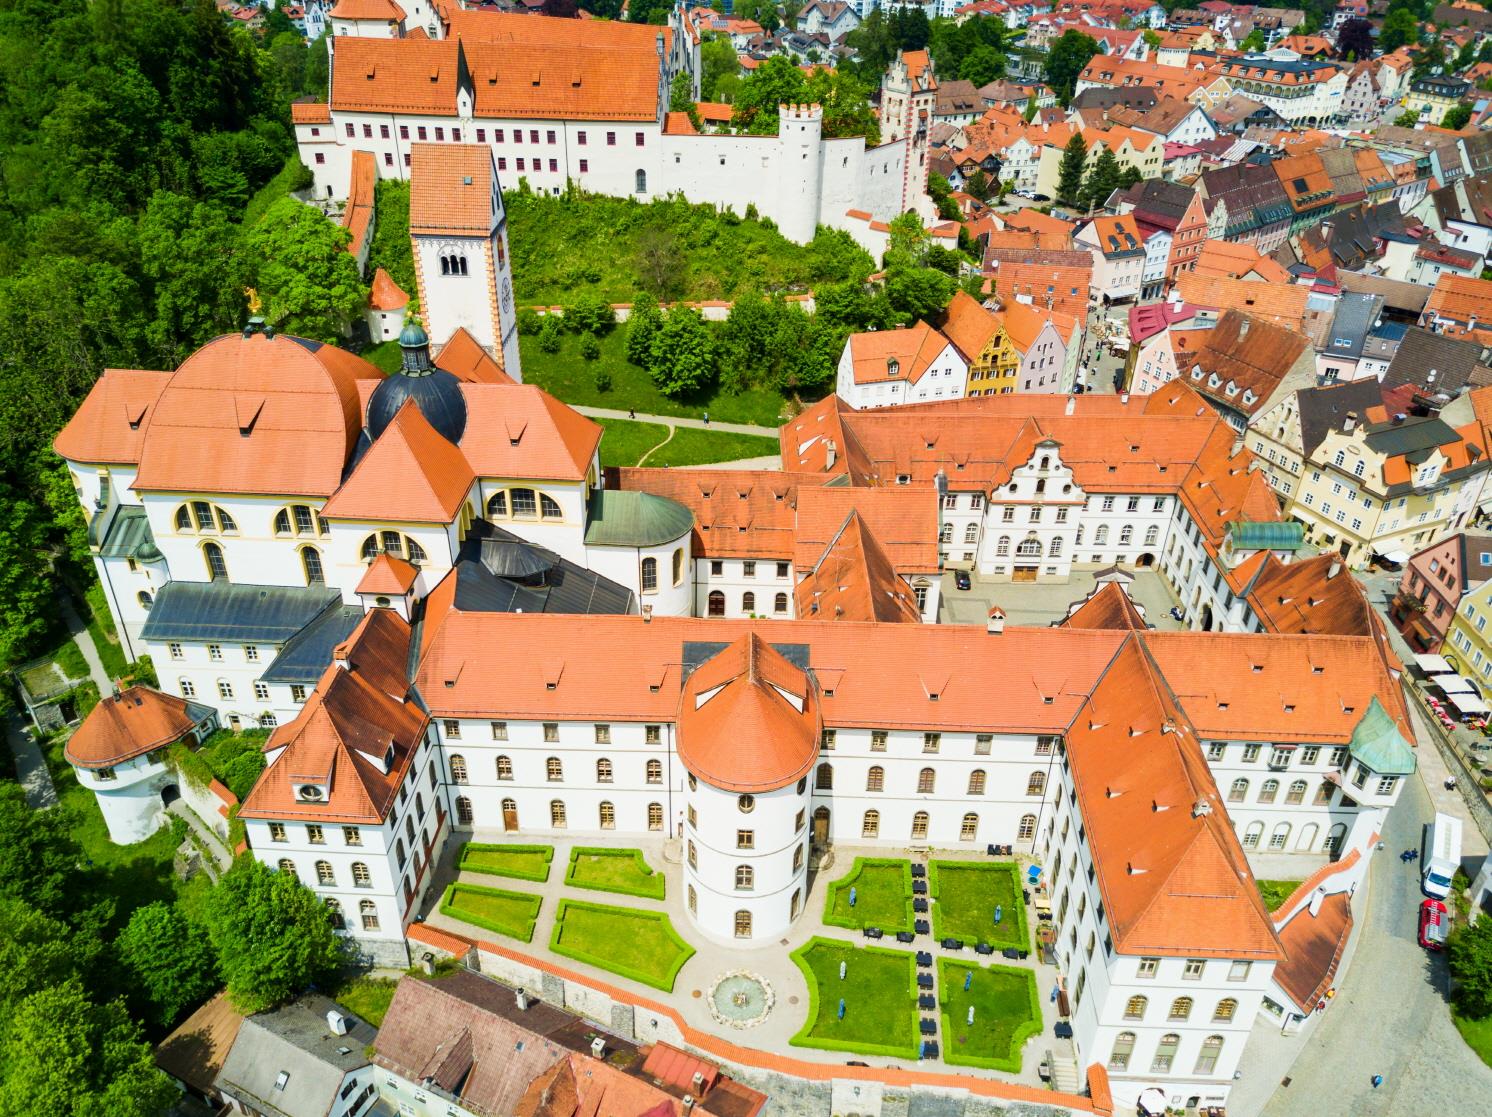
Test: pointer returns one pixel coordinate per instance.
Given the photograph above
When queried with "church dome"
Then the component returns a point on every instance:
(434, 391)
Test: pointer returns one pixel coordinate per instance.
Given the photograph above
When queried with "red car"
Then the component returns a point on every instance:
(1433, 925)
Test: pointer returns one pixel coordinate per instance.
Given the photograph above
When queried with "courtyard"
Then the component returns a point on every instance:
(1046, 603)
(905, 1004)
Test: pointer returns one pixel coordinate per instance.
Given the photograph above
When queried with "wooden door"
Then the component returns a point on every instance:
(510, 815)
(821, 826)
(1024, 574)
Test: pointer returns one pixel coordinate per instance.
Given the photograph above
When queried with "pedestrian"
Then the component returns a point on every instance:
(707, 418)
(631, 412)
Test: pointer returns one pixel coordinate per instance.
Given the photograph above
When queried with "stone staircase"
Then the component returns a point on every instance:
(1064, 1069)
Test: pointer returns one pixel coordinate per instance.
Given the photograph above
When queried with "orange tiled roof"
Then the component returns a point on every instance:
(1460, 300)
(738, 513)
(1224, 259)
(519, 430)
(1115, 234)
(969, 326)
(410, 474)
(1313, 944)
(388, 574)
(904, 522)
(368, 9)
(126, 725)
(913, 349)
(385, 294)
(357, 215)
(310, 112)
(109, 426)
(413, 76)
(465, 359)
(678, 124)
(1278, 303)
(1314, 595)
(451, 189)
(1023, 324)
(854, 580)
(1108, 607)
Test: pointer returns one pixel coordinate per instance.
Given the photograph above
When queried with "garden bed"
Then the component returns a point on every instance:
(641, 945)
(880, 994)
(883, 895)
(614, 870)
(1007, 1012)
(966, 894)
(493, 909)
(521, 862)
(1276, 892)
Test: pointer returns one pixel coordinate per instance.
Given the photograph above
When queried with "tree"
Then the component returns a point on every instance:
(1355, 38)
(1469, 953)
(1399, 28)
(193, 257)
(719, 69)
(64, 1056)
(834, 256)
(742, 343)
(1070, 170)
(643, 324)
(660, 263)
(38, 855)
(681, 98)
(1406, 119)
(1152, 38)
(978, 184)
(549, 334)
(1253, 42)
(778, 81)
(308, 280)
(918, 293)
(169, 962)
(1102, 180)
(26, 594)
(590, 314)
(1456, 117)
(982, 65)
(1065, 61)
(681, 359)
(271, 935)
(35, 951)
(391, 249)
(873, 44)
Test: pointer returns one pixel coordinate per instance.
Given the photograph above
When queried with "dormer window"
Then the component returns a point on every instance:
(310, 793)
(893, 367)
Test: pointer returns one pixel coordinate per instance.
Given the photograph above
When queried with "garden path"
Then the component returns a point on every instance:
(31, 766)
(84, 639)
(677, 421)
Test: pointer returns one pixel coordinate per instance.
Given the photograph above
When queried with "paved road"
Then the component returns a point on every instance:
(678, 421)
(84, 639)
(31, 767)
(1390, 1014)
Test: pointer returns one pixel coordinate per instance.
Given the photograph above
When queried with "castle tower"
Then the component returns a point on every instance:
(459, 232)
(800, 170)
(909, 95)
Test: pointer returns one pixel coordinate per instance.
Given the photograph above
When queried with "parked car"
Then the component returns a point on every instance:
(961, 579)
(1434, 923)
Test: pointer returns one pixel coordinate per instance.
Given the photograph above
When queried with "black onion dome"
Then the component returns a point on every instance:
(434, 391)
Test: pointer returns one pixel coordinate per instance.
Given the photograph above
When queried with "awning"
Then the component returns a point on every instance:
(1433, 665)
(1453, 684)
(1153, 1102)
(1468, 703)
(1397, 557)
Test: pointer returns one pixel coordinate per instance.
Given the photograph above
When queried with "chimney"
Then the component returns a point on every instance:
(697, 1083)
(996, 622)
(337, 1023)
(1350, 423)
(1072, 405)
(521, 998)
(598, 1047)
(1123, 397)
(688, 1104)
(647, 614)
(831, 453)
(1201, 808)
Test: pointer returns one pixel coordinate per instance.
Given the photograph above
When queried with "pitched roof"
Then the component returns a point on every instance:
(1313, 942)
(904, 522)
(519, 430)
(1325, 409)
(629, 518)
(410, 474)
(388, 574)
(293, 1040)
(854, 580)
(968, 325)
(194, 1053)
(368, 9)
(130, 724)
(1114, 235)
(1436, 363)
(1314, 595)
(1224, 259)
(1107, 607)
(465, 359)
(910, 351)
(385, 294)
(452, 190)
(737, 513)
(109, 426)
(1281, 304)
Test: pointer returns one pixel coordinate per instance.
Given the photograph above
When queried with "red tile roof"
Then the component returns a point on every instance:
(465, 359)
(1108, 607)
(310, 112)
(410, 474)
(451, 189)
(130, 724)
(357, 215)
(1313, 944)
(519, 430)
(913, 350)
(388, 574)
(109, 426)
(386, 294)
(854, 580)
(368, 9)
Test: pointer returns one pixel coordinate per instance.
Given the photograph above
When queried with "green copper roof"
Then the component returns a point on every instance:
(1274, 535)
(1378, 743)
(129, 536)
(623, 518)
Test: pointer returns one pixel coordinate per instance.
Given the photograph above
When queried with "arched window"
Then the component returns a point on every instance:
(445, 265)
(1152, 534)
(1335, 837)
(1237, 790)
(301, 519)
(554, 769)
(1269, 790)
(642, 188)
(458, 768)
(1297, 791)
(693, 901)
(287, 867)
(745, 877)
(871, 826)
(743, 918)
(145, 600)
(392, 543)
(607, 814)
(968, 828)
(361, 878)
(1181, 1009)
(549, 508)
(1165, 1053)
(1226, 1009)
(971, 533)
(310, 560)
(324, 874)
(1037, 783)
(497, 505)
(1252, 834)
(1027, 828)
(875, 779)
(976, 782)
(823, 779)
(1279, 837)
(1030, 547)
(655, 816)
(716, 604)
(678, 566)
(557, 814)
(368, 911)
(201, 517)
(1134, 1008)
(779, 603)
(919, 826)
(1126, 535)
(504, 767)
(655, 771)
(926, 780)
(217, 565)
(525, 503)
(1212, 1048)
(334, 913)
(603, 770)
(1124, 1046)
(1002, 547)
(463, 810)
(748, 602)
(1054, 548)
(1101, 536)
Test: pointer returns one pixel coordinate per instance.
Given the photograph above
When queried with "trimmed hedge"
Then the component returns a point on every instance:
(805, 1038)
(852, 878)
(450, 905)
(516, 873)
(952, 1053)
(622, 942)
(993, 935)
(651, 885)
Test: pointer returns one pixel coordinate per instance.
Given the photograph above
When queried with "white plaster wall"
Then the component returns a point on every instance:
(624, 565)
(769, 577)
(131, 802)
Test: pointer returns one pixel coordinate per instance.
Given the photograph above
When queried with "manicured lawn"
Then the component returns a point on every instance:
(880, 1015)
(1007, 1011)
(369, 997)
(626, 441)
(614, 870)
(69, 660)
(641, 945)
(386, 356)
(518, 861)
(507, 913)
(569, 377)
(1276, 892)
(966, 895)
(883, 896)
(691, 446)
(1477, 1034)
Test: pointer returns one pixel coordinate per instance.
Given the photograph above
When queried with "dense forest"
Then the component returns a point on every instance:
(134, 135)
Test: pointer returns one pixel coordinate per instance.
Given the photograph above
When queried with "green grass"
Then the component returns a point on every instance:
(690, 446)
(967, 893)
(883, 896)
(567, 376)
(641, 945)
(494, 909)
(625, 441)
(386, 356)
(368, 997)
(69, 660)
(522, 862)
(1276, 892)
(1007, 1012)
(614, 870)
(105, 637)
(1477, 1034)
(879, 991)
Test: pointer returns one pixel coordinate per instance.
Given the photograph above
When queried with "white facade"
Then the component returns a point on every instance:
(129, 795)
(946, 376)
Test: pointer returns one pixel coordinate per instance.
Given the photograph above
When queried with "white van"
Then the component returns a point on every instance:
(1440, 856)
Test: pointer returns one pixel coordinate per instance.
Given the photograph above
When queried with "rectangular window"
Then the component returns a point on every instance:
(827, 743)
(456, 135)
(1239, 971)
(1192, 971)
(481, 135)
(404, 131)
(585, 165)
(748, 569)
(261, 691)
(502, 163)
(498, 135)
(520, 163)
(1147, 967)
(452, 729)
(175, 650)
(983, 742)
(533, 135)
(549, 135)
(878, 740)
(603, 734)
(931, 742)
(388, 158)
(639, 139)
(214, 651)
(1250, 753)
(499, 731)
(225, 689)
(1386, 784)
(297, 692)
(420, 131)
(611, 139)
(554, 164)
(315, 835)
(551, 731)
(277, 832)
(352, 836)
(351, 131)
(745, 839)
(653, 734)
(580, 138)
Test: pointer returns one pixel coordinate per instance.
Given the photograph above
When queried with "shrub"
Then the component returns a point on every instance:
(590, 348)
(590, 314)
(602, 378)
(529, 321)
(549, 335)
